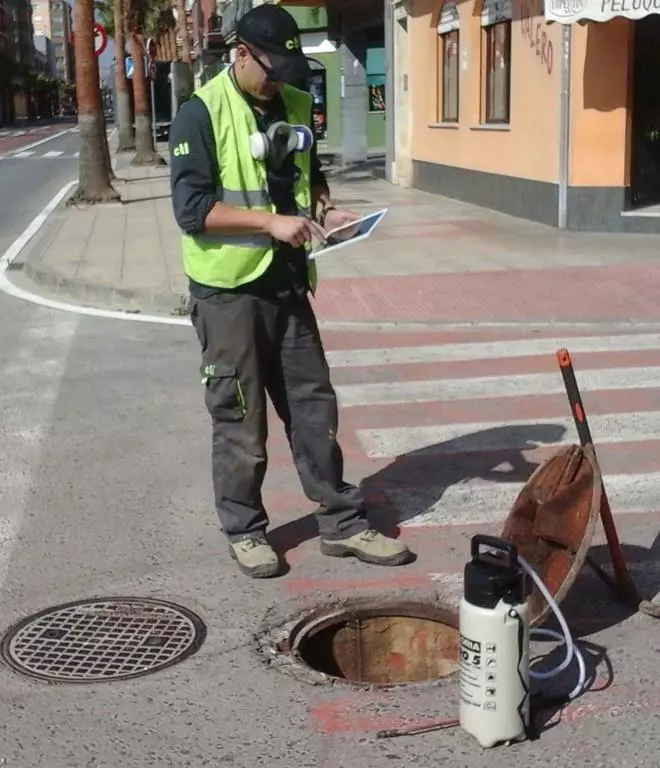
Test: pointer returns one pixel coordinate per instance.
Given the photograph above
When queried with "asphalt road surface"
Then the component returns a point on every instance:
(31, 175)
(105, 491)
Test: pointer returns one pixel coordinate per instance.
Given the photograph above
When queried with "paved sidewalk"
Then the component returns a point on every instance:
(433, 260)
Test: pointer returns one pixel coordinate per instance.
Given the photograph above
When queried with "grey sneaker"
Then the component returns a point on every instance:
(255, 557)
(370, 547)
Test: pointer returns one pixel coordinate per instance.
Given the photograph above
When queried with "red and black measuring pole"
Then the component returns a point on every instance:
(622, 584)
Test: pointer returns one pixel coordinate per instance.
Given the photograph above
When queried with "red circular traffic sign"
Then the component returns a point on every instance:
(100, 39)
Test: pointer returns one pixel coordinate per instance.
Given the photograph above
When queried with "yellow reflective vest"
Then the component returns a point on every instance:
(227, 261)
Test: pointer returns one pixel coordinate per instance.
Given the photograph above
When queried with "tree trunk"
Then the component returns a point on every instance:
(182, 24)
(94, 170)
(106, 148)
(145, 152)
(171, 41)
(124, 116)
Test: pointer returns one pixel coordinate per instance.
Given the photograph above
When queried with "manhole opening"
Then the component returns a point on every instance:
(391, 644)
(102, 639)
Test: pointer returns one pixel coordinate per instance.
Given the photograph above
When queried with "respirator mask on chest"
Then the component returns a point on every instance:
(279, 141)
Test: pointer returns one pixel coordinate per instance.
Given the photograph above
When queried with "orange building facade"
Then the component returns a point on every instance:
(558, 123)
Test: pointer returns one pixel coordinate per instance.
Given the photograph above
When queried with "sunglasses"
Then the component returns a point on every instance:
(271, 73)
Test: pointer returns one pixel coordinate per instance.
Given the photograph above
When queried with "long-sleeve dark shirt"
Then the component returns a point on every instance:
(194, 176)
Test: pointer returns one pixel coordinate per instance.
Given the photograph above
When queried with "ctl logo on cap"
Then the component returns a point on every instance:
(292, 44)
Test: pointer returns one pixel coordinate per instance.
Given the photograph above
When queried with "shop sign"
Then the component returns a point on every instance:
(570, 11)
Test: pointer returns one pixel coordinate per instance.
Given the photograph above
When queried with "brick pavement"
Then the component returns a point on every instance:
(432, 260)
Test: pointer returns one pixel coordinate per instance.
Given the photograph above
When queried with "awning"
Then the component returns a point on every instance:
(571, 11)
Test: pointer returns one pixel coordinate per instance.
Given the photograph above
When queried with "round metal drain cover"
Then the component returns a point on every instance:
(381, 643)
(90, 641)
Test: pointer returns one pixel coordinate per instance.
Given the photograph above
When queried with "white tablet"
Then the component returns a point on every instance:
(349, 233)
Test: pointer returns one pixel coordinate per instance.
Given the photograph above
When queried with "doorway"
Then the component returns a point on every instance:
(645, 149)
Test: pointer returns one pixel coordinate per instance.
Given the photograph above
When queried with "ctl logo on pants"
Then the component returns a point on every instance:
(181, 149)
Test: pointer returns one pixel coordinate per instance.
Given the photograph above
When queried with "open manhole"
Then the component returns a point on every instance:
(90, 641)
(382, 643)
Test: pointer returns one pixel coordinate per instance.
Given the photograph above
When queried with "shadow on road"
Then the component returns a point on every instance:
(414, 482)
(549, 696)
(422, 477)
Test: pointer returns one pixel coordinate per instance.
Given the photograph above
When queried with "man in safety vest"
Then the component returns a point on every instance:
(249, 194)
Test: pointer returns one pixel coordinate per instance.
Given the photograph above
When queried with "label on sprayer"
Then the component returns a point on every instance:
(474, 666)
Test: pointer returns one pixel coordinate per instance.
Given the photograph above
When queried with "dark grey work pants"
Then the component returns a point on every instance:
(251, 346)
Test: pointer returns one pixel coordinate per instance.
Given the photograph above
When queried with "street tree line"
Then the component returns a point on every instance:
(127, 21)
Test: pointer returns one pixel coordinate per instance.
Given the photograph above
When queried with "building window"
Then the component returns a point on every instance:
(496, 23)
(449, 69)
(376, 78)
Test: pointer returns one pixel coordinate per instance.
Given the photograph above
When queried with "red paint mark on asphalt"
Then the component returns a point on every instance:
(343, 716)
(298, 586)
(351, 714)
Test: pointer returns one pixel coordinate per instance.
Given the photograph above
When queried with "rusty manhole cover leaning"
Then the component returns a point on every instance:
(378, 642)
(104, 639)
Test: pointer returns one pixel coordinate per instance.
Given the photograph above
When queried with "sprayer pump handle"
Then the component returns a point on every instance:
(493, 542)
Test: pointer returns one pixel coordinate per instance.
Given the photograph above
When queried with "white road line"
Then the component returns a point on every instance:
(76, 154)
(53, 154)
(22, 431)
(501, 436)
(6, 286)
(444, 390)
(32, 228)
(41, 141)
(23, 154)
(483, 503)
(494, 350)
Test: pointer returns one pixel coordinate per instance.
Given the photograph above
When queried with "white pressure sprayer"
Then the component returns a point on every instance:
(494, 645)
(494, 630)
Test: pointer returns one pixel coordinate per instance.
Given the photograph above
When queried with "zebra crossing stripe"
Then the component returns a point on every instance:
(442, 439)
(520, 385)
(492, 350)
(472, 503)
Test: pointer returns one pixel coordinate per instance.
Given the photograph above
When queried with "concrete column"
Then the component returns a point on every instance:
(354, 102)
(390, 118)
(401, 102)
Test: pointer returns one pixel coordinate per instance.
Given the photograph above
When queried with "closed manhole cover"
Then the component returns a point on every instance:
(103, 639)
(383, 644)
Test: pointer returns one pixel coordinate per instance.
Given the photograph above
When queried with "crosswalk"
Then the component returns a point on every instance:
(451, 431)
(33, 131)
(36, 154)
(42, 149)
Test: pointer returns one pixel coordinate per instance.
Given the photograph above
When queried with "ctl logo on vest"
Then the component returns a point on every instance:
(293, 44)
(181, 149)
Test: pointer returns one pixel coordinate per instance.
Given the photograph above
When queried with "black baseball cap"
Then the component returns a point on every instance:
(274, 31)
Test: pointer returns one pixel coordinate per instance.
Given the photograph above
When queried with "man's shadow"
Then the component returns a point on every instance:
(423, 476)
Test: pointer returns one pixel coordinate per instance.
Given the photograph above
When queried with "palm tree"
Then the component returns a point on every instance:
(182, 25)
(124, 111)
(112, 17)
(145, 151)
(94, 170)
